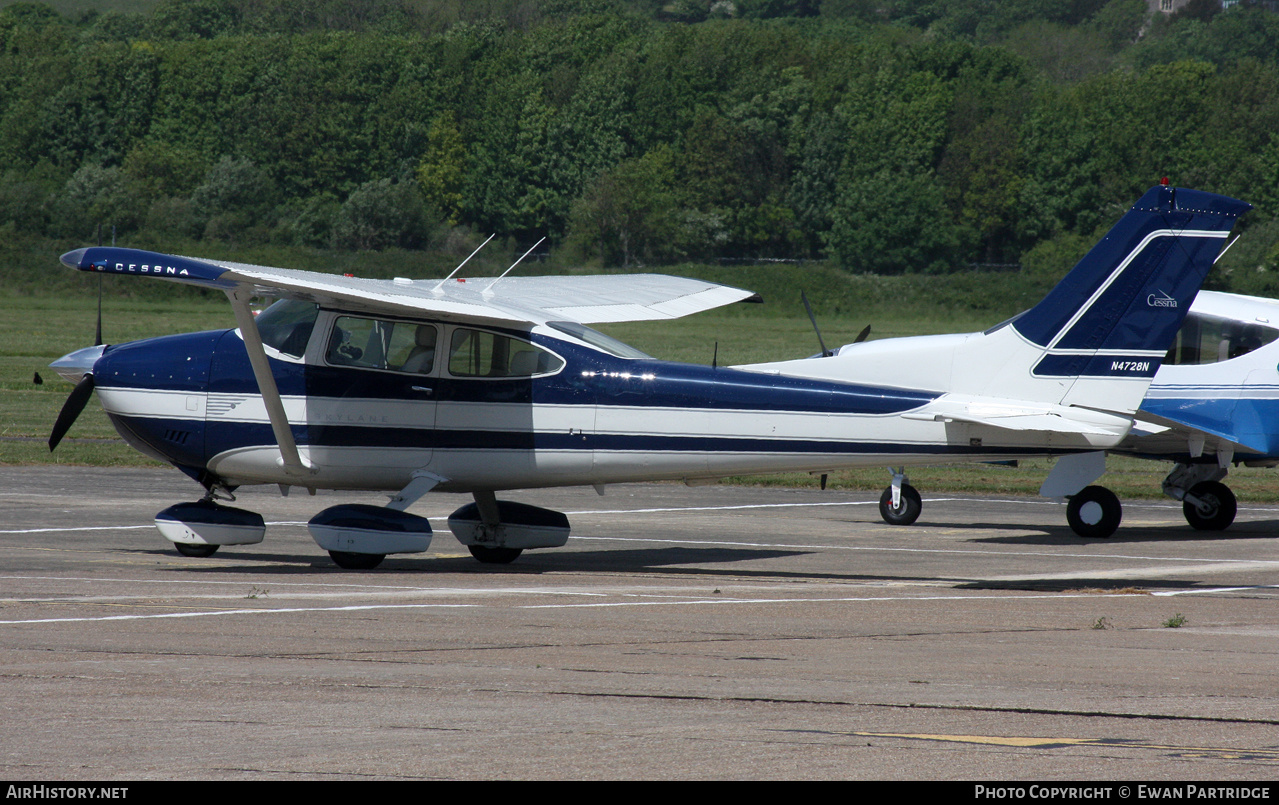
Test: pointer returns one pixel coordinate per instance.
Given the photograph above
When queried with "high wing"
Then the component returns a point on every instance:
(525, 300)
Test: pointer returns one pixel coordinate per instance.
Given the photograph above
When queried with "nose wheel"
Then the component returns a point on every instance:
(1094, 512)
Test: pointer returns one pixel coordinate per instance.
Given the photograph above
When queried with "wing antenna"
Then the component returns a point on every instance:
(488, 289)
(436, 290)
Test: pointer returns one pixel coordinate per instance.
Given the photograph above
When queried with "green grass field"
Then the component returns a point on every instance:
(37, 329)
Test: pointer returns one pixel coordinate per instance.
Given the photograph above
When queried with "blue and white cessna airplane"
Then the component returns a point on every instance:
(486, 385)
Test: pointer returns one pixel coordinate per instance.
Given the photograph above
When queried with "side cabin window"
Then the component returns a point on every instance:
(397, 346)
(1209, 339)
(479, 353)
(286, 325)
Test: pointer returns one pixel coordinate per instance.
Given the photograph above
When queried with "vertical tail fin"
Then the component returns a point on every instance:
(1098, 337)
(1116, 313)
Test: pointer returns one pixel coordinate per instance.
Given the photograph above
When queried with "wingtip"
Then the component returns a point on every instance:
(73, 259)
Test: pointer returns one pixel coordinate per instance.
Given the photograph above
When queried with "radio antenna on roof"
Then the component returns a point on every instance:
(488, 288)
(436, 289)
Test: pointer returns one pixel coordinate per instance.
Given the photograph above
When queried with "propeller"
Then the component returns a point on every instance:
(71, 409)
(83, 390)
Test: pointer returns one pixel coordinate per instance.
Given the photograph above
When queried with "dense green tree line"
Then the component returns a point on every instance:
(887, 137)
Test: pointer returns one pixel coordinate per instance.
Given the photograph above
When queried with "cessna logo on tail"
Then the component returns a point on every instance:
(1161, 300)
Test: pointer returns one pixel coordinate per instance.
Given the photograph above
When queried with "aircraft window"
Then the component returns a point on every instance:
(286, 325)
(377, 344)
(478, 353)
(597, 339)
(1210, 339)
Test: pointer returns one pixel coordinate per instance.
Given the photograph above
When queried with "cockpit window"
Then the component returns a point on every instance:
(1209, 339)
(396, 346)
(286, 325)
(600, 341)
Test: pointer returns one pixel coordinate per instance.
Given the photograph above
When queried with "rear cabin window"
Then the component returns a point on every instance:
(396, 346)
(1210, 339)
(599, 340)
(479, 353)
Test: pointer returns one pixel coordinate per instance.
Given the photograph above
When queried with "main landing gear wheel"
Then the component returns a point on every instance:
(193, 549)
(356, 561)
(495, 556)
(906, 512)
(1220, 506)
(1094, 512)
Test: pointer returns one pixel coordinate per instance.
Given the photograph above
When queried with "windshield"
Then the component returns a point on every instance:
(287, 324)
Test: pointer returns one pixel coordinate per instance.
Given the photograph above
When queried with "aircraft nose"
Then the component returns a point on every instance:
(75, 365)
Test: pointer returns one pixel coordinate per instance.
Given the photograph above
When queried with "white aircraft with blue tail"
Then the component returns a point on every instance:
(1214, 403)
(486, 385)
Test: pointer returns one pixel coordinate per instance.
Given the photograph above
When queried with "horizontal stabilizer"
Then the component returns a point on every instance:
(1007, 415)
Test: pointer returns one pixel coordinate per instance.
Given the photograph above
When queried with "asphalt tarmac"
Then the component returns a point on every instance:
(683, 633)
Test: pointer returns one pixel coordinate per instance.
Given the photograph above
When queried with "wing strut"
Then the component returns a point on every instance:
(293, 463)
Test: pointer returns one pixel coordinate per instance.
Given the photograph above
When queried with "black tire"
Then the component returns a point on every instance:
(495, 556)
(193, 549)
(1094, 513)
(906, 512)
(356, 561)
(1221, 502)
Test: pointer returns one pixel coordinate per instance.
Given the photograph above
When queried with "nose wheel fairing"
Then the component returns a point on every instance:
(207, 524)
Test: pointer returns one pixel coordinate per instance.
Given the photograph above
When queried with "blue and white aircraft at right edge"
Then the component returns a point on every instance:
(1214, 402)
